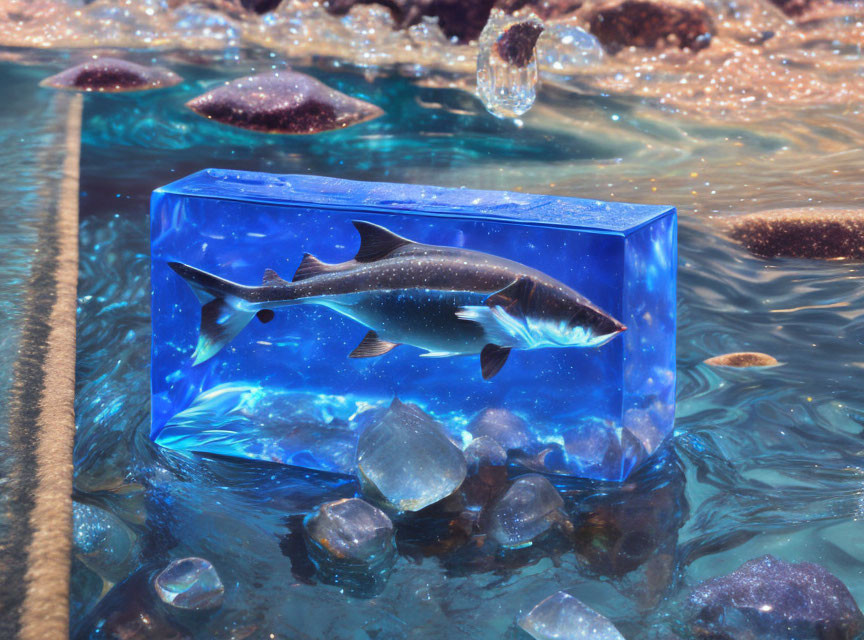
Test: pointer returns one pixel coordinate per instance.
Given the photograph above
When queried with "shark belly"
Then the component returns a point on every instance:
(423, 318)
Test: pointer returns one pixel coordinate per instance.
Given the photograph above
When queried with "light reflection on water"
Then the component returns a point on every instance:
(763, 461)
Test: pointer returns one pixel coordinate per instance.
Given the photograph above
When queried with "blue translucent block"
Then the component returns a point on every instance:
(456, 301)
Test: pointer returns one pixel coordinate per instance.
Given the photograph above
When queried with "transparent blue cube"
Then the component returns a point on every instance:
(289, 312)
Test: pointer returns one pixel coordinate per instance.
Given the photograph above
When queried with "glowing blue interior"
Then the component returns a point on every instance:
(286, 390)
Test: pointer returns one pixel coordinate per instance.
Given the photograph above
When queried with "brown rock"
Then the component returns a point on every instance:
(111, 75)
(285, 102)
(742, 359)
(645, 23)
(793, 8)
(823, 234)
(516, 45)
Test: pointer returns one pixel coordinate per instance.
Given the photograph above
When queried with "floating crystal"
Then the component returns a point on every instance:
(563, 617)
(566, 47)
(190, 583)
(524, 512)
(407, 458)
(507, 64)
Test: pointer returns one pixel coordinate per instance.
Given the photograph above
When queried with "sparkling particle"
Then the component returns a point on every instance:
(285, 102)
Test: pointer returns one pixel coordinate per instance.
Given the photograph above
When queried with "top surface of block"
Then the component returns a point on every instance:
(334, 193)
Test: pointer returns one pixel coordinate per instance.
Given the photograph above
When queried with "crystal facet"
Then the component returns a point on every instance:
(407, 459)
(190, 583)
(525, 511)
(563, 617)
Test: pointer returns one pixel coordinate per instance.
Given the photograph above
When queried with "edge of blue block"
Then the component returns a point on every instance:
(381, 197)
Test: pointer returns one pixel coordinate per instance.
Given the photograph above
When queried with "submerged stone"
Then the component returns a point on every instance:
(507, 64)
(563, 617)
(285, 102)
(350, 530)
(406, 458)
(487, 473)
(770, 598)
(112, 75)
(645, 23)
(742, 359)
(102, 541)
(505, 427)
(527, 510)
(190, 583)
(823, 234)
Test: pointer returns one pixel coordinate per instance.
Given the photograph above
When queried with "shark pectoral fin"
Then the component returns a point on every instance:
(220, 322)
(372, 346)
(492, 358)
(376, 242)
(514, 298)
(265, 315)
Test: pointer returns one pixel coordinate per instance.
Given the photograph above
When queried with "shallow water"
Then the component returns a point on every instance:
(762, 461)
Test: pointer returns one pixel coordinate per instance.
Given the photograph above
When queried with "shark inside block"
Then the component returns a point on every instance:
(290, 312)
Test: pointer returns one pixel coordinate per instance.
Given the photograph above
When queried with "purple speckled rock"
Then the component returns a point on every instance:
(285, 102)
(111, 75)
(769, 599)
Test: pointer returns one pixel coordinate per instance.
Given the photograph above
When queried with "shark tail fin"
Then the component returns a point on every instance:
(223, 312)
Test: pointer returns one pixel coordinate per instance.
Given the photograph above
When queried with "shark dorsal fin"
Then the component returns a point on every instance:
(272, 278)
(376, 242)
(311, 266)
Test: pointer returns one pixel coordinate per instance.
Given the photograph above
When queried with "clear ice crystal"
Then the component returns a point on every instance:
(406, 458)
(484, 452)
(565, 47)
(351, 530)
(507, 83)
(190, 583)
(503, 426)
(101, 540)
(563, 617)
(524, 512)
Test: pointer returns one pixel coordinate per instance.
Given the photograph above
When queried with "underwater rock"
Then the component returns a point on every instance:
(285, 102)
(507, 64)
(351, 530)
(645, 23)
(260, 6)
(824, 234)
(459, 19)
(527, 510)
(793, 8)
(742, 359)
(102, 541)
(597, 451)
(767, 597)
(112, 75)
(406, 458)
(563, 617)
(503, 426)
(190, 583)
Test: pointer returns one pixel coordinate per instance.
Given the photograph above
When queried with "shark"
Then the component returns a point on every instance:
(447, 301)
